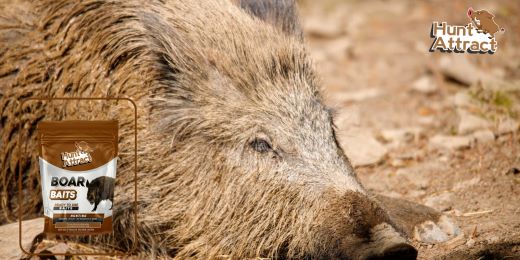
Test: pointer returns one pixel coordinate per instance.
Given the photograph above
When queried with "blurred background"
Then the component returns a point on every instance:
(436, 128)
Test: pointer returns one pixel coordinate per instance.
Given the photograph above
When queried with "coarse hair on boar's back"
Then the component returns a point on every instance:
(237, 153)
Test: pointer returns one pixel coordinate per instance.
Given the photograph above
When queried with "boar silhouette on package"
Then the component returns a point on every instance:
(78, 162)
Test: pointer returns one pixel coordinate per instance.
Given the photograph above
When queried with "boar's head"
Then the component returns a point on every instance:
(255, 168)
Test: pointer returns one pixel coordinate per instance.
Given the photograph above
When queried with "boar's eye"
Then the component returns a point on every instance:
(261, 145)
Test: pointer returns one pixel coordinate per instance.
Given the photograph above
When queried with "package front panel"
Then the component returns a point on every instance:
(78, 170)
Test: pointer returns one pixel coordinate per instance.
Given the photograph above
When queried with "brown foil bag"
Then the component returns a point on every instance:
(78, 161)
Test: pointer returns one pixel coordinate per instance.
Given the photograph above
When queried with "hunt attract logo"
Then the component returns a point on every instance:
(478, 36)
(80, 156)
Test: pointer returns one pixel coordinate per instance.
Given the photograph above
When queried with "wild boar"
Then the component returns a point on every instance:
(99, 189)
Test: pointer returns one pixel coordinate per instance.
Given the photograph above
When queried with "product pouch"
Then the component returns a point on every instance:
(78, 161)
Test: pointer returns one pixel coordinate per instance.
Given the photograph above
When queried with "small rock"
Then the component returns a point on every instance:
(451, 142)
(469, 122)
(440, 202)
(361, 146)
(402, 135)
(445, 230)
(448, 226)
(425, 85)
(458, 68)
(428, 232)
(484, 136)
(397, 163)
(470, 242)
(507, 126)
(444, 159)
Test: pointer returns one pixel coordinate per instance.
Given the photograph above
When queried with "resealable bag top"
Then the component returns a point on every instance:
(78, 161)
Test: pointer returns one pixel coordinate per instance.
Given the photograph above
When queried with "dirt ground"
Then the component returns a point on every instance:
(433, 127)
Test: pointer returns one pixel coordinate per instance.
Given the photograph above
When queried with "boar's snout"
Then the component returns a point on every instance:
(387, 244)
(398, 251)
(362, 229)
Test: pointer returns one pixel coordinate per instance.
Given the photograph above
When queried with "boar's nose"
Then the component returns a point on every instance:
(387, 244)
(399, 251)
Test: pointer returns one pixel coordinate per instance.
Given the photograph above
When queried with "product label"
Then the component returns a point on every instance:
(78, 169)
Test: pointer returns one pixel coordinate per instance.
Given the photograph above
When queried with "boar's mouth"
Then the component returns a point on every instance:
(356, 227)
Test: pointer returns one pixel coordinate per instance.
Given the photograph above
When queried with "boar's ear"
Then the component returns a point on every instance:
(88, 183)
(470, 12)
(282, 14)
